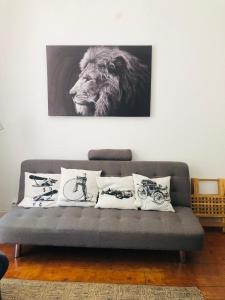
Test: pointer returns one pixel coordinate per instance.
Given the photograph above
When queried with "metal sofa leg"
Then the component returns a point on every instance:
(17, 250)
(183, 256)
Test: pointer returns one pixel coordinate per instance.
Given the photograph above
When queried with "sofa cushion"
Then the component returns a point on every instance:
(116, 192)
(78, 187)
(107, 228)
(152, 193)
(41, 190)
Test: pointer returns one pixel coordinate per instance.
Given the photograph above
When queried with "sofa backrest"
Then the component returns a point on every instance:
(179, 172)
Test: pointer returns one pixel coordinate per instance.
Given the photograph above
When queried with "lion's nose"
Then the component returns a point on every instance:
(72, 91)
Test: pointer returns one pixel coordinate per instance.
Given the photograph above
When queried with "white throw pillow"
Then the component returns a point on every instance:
(116, 192)
(41, 190)
(152, 194)
(78, 187)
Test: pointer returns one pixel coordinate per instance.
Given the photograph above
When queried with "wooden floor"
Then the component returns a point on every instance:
(205, 269)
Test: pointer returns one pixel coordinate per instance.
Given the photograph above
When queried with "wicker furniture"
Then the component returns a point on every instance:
(210, 208)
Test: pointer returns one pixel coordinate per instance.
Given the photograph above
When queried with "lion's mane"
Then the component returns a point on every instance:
(112, 82)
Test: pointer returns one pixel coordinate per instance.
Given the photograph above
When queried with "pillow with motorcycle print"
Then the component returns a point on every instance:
(41, 190)
(78, 187)
(116, 192)
(152, 193)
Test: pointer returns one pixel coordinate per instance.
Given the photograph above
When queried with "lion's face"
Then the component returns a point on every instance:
(107, 82)
(97, 91)
(86, 90)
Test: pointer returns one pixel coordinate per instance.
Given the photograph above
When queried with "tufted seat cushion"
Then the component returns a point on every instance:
(107, 228)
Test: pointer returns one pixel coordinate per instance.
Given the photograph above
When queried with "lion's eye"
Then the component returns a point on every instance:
(87, 78)
(111, 68)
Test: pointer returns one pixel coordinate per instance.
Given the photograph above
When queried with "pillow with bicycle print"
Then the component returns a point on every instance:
(41, 190)
(78, 187)
(116, 192)
(152, 193)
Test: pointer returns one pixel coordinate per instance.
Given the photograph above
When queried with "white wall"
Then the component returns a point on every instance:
(188, 82)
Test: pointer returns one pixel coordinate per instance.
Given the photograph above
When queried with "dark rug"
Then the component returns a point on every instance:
(17, 289)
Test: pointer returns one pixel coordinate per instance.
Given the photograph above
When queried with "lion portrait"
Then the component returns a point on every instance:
(112, 82)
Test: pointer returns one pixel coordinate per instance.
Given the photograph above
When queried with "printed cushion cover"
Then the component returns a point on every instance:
(78, 187)
(41, 190)
(116, 192)
(152, 194)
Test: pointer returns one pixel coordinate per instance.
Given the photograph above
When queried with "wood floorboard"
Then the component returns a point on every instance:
(204, 269)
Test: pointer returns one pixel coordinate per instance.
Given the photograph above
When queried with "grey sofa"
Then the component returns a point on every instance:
(107, 228)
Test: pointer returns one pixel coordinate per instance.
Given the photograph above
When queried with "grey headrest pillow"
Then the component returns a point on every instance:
(110, 154)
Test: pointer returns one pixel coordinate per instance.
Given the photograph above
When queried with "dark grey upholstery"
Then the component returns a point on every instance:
(110, 154)
(110, 228)
(90, 227)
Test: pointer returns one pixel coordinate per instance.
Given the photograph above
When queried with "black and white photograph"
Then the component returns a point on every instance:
(99, 80)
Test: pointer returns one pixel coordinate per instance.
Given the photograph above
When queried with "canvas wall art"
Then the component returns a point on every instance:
(99, 80)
